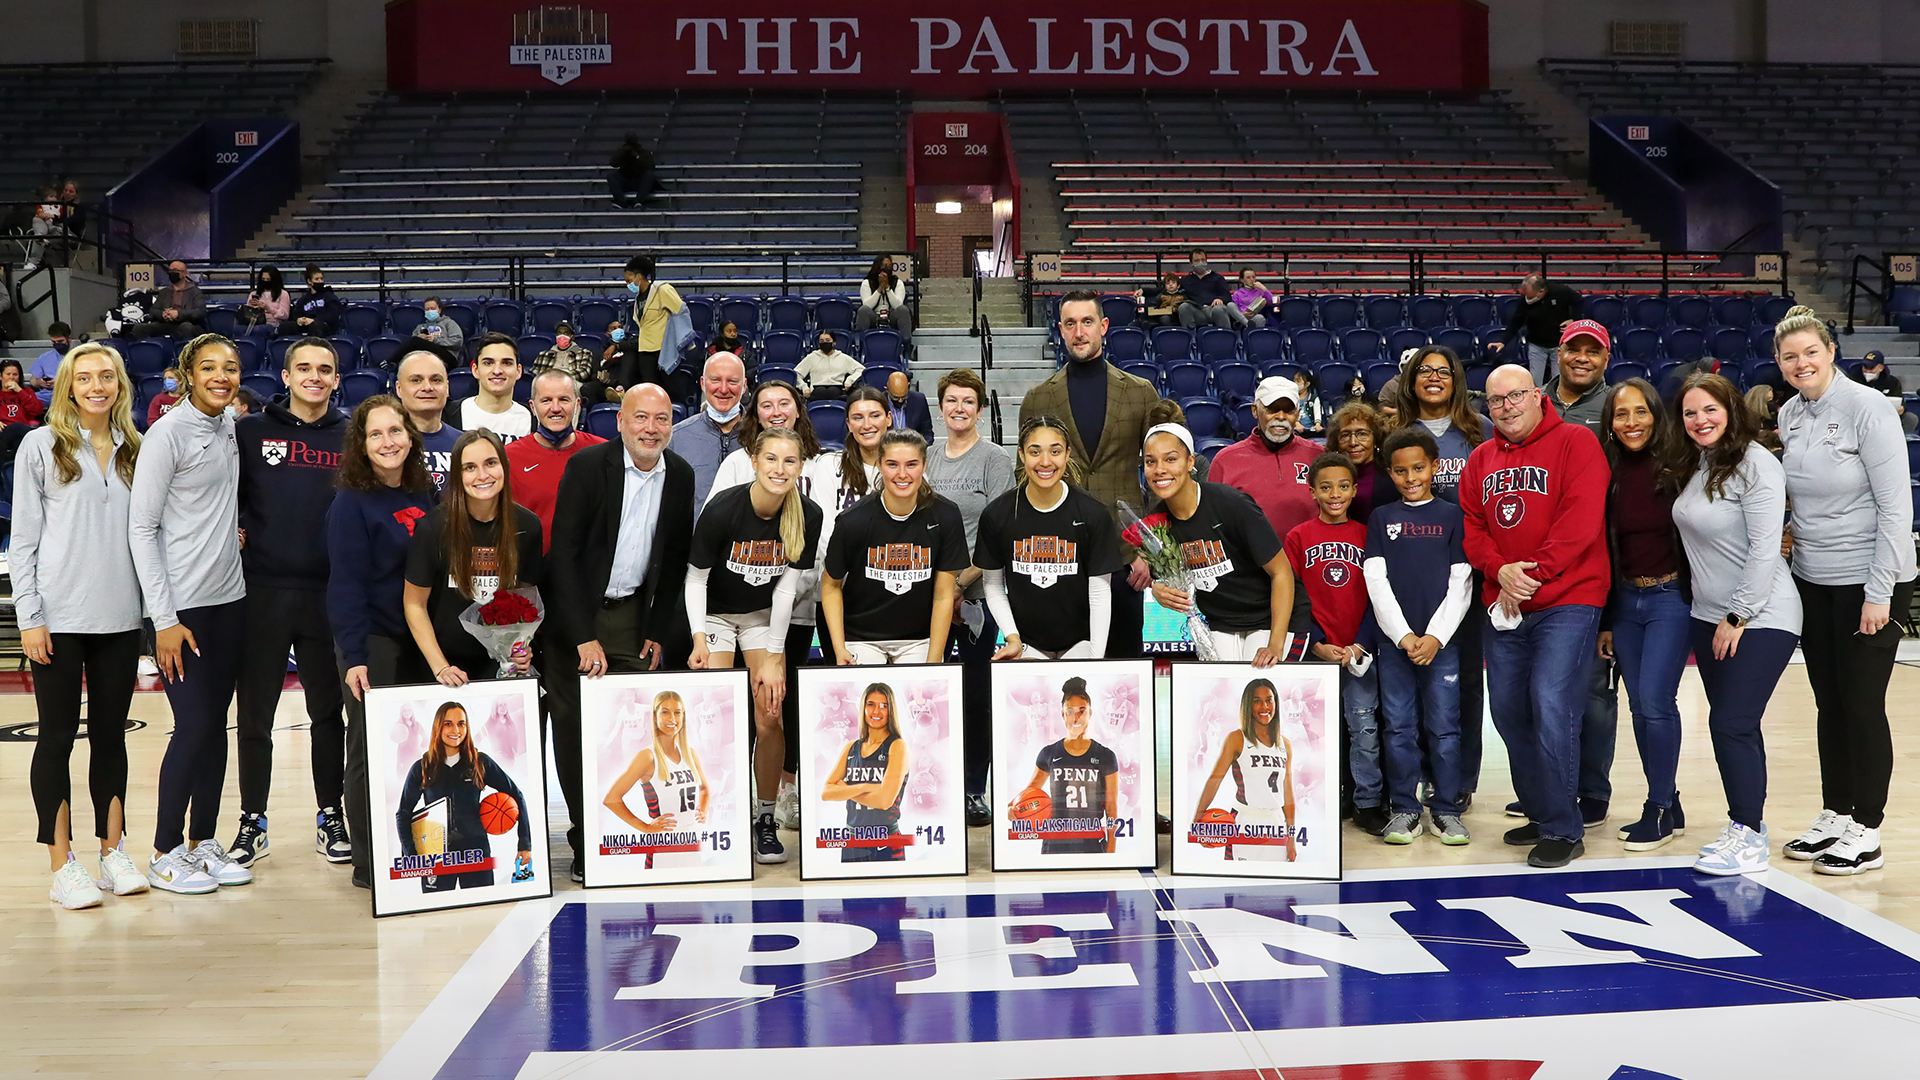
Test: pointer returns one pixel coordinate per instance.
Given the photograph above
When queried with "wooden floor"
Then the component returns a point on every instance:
(292, 977)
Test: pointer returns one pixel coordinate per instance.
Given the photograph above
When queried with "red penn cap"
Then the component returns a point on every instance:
(1591, 329)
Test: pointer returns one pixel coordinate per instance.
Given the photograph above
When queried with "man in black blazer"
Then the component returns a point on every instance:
(909, 406)
(622, 534)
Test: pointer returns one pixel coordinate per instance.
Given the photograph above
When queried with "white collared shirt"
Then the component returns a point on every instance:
(639, 516)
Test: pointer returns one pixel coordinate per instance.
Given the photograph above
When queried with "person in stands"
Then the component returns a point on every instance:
(318, 311)
(729, 340)
(179, 309)
(1873, 374)
(1533, 332)
(1853, 566)
(269, 303)
(631, 175)
(169, 396)
(496, 370)
(829, 373)
(653, 303)
(20, 408)
(439, 328)
(1207, 298)
(883, 299)
(1253, 299)
(575, 360)
(40, 375)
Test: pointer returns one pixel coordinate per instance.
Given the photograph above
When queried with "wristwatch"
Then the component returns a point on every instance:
(1734, 620)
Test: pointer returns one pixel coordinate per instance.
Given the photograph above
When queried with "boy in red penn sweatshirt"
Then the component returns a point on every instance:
(1534, 497)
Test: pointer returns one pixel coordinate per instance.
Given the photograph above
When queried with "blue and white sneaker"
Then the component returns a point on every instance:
(1719, 841)
(330, 836)
(220, 866)
(250, 843)
(179, 871)
(1744, 852)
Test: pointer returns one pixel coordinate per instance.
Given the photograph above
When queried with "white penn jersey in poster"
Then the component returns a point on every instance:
(665, 790)
(464, 821)
(1256, 774)
(882, 780)
(1073, 765)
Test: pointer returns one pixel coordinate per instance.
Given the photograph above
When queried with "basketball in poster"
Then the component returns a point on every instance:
(881, 772)
(465, 821)
(1073, 765)
(1256, 778)
(665, 758)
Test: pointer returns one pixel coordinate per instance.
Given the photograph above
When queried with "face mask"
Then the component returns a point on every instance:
(618, 335)
(1200, 267)
(174, 276)
(61, 347)
(170, 384)
(433, 315)
(826, 346)
(633, 287)
(1535, 299)
(722, 417)
(553, 438)
(562, 341)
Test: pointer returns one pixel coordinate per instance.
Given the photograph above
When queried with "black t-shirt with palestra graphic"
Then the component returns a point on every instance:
(1228, 543)
(886, 566)
(1048, 555)
(744, 552)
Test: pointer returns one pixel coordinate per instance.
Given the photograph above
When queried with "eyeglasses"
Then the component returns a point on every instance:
(1511, 401)
(1356, 435)
(1429, 369)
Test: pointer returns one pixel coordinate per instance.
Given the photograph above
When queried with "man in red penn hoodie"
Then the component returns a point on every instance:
(1534, 497)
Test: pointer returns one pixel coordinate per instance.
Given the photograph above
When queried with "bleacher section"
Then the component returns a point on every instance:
(1841, 141)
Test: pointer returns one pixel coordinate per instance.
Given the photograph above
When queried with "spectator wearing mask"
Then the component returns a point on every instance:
(245, 403)
(1873, 374)
(576, 361)
(1253, 299)
(883, 299)
(1207, 298)
(1271, 464)
(438, 327)
(169, 396)
(631, 177)
(47, 364)
(496, 368)
(420, 384)
(705, 439)
(179, 310)
(909, 406)
(1313, 411)
(269, 303)
(728, 340)
(638, 359)
(1533, 332)
(316, 312)
(828, 373)
(616, 332)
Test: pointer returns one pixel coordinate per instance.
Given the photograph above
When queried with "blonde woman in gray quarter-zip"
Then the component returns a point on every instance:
(184, 530)
(78, 605)
(1846, 465)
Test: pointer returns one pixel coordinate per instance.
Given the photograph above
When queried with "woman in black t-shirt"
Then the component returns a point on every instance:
(1045, 550)
(1240, 578)
(889, 585)
(751, 547)
(460, 556)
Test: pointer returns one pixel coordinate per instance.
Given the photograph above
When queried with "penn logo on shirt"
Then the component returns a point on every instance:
(1207, 563)
(1046, 559)
(1508, 509)
(900, 567)
(1412, 530)
(757, 561)
(1520, 478)
(277, 451)
(1300, 472)
(1340, 561)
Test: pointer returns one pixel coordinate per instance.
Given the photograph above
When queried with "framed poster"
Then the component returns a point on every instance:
(1073, 765)
(465, 822)
(667, 777)
(1256, 775)
(881, 772)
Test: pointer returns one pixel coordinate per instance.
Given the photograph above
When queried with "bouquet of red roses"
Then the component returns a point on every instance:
(505, 624)
(1153, 537)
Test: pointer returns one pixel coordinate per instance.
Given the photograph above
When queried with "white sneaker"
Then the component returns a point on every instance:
(72, 888)
(220, 866)
(148, 667)
(179, 871)
(1826, 831)
(1856, 852)
(118, 874)
(1745, 852)
(1718, 842)
(786, 806)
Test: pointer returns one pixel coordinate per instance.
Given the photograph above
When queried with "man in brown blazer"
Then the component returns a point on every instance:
(1105, 412)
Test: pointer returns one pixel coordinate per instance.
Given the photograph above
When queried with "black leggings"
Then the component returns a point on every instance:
(278, 618)
(976, 712)
(1849, 675)
(799, 655)
(390, 662)
(110, 663)
(195, 766)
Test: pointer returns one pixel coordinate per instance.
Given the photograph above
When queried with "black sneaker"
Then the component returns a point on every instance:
(1593, 812)
(577, 870)
(250, 844)
(1163, 824)
(766, 841)
(978, 813)
(1371, 820)
(1548, 854)
(1525, 836)
(1514, 809)
(330, 836)
(1653, 830)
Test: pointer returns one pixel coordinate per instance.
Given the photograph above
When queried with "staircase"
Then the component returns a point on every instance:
(883, 214)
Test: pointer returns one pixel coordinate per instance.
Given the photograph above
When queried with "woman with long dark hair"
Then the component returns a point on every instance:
(453, 772)
(1647, 627)
(184, 530)
(77, 599)
(1853, 565)
(871, 775)
(385, 490)
(475, 543)
(883, 299)
(1262, 757)
(1746, 612)
(269, 303)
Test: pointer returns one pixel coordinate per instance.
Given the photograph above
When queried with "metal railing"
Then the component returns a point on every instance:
(1857, 282)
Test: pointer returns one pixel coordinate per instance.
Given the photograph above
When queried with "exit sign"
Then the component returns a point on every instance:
(1637, 132)
(246, 138)
(956, 131)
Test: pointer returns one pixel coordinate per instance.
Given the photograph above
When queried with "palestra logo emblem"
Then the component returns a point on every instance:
(562, 39)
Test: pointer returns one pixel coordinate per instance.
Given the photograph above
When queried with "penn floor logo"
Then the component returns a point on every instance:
(561, 39)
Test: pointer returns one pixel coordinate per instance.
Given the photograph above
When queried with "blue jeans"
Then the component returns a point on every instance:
(1737, 692)
(1651, 640)
(1359, 703)
(1473, 689)
(1537, 678)
(1542, 360)
(1420, 701)
(1599, 724)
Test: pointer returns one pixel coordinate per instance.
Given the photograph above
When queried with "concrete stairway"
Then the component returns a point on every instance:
(883, 214)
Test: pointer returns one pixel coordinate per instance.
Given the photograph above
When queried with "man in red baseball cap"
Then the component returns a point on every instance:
(1579, 392)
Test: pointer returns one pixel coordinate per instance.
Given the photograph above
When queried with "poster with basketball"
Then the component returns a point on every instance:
(882, 781)
(463, 820)
(1256, 771)
(667, 779)
(1073, 765)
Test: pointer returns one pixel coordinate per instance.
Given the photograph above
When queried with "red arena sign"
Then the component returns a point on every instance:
(936, 48)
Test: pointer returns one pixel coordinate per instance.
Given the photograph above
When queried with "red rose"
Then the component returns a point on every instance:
(507, 609)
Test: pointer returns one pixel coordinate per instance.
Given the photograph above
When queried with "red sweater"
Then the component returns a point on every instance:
(1326, 561)
(1542, 500)
(536, 471)
(1277, 480)
(17, 406)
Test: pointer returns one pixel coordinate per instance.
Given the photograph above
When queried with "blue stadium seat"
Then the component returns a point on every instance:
(1310, 347)
(1332, 381)
(1145, 369)
(774, 373)
(1760, 340)
(222, 320)
(523, 390)
(1339, 313)
(829, 420)
(1119, 310)
(592, 316)
(876, 374)
(1206, 448)
(1504, 306)
(265, 385)
(347, 349)
(842, 340)
(363, 320)
(788, 313)
(1184, 379)
(1205, 418)
(358, 386)
(1774, 308)
(1638, 344)
(833, 313)
(545, 315)
(1488, 336)
(1361, 346)
(1172, 343)
(1760, 370)
(604, 420)
(1428, 312)
(1242, 419)
(251, 352)
(150, 356)
(742, 311)
(461, 384)
(277, 353)
(1477, 377)
(1295, 312)
(1472, 310)
(1376, 376)
(1126, 345)
(1218, 344)
(783, 347)
(1235, 380)
(383, 351)
(1259, 345)
(1458, 338)
(531, 346)
(403, 319)
(1649, 311)
(1385, 312)
(1729, 344)
(1913, 455)
(1607, 310)
(1691, 309)
(883, 346)
(1735, 311)
(1286, 369)
(1400, 339)
(700, 309)
(1684, 343)
(1621, 370)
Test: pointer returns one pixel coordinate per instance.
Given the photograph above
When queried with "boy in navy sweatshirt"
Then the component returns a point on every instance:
(289, 455)
(1419, 583)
